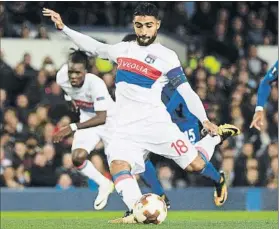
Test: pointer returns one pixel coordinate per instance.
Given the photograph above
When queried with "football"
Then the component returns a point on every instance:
(150, 209)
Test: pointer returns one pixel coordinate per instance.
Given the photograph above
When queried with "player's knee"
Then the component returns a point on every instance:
(197, 164)
(189, 168)
(117, 166)
(79, 156)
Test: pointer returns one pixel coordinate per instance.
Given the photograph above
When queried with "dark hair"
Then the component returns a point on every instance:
(11, 109)
(130, 37)
(79, 56)
(20, 140)
(146, 9)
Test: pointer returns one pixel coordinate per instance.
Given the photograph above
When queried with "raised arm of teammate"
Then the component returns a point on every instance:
(263, 94)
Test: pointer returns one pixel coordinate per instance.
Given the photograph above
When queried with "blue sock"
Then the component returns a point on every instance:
(210, 171)
(150, 177)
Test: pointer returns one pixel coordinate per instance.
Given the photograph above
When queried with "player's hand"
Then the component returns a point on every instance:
(55, 17)
(210, 127)
(257, 121)
(63, 132)
(74, 106)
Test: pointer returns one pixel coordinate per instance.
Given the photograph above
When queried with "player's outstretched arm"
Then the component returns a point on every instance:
(84, 42)
(265, 85)
(196, 107)
(262, 96)
(178, 79)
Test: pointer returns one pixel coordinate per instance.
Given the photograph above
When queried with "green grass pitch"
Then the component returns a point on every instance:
(175, 220)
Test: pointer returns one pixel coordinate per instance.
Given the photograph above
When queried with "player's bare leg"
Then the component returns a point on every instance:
(127, 187)
(106, 187)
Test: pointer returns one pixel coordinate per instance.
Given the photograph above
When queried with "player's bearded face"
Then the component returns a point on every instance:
(76, 73)
(146, 28)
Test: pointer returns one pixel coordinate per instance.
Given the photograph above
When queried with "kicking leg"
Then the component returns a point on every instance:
(206, 169)
(202, 165)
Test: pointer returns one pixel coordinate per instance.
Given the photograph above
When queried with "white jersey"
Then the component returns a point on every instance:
(142, 122)
(142, 73)
(92, 96)
(142, 70)
(141, 77)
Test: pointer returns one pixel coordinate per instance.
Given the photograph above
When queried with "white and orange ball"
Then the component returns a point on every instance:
(150, 209)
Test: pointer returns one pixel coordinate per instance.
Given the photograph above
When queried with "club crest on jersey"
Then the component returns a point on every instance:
(100, 98)
(88, 96)
(150, 59)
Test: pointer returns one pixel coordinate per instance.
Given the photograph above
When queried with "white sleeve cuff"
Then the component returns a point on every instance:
(65, 29)
(73, 127)
(259, 108)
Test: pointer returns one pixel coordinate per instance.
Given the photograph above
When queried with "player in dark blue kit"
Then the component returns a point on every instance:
(181, 116)
(263, 94)
(184, 119)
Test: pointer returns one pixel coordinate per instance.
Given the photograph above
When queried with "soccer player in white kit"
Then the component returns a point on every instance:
(142, 123)
(90, 95)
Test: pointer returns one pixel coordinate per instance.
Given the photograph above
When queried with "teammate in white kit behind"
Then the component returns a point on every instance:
(143, 123)
(89, 93)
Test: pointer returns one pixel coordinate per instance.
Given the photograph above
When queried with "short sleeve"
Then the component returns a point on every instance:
(62, 74)
(101, 96)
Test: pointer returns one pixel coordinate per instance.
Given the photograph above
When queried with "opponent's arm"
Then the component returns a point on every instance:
(262, 96)
(265, 86)
(84, 42)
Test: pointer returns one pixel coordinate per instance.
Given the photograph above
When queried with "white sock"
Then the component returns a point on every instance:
(127, 187)
(207, 145)
(88, 169)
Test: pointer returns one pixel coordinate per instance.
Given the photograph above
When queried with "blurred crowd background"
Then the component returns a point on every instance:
(222, 66)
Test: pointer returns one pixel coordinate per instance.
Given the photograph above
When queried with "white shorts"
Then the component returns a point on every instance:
(88, 138)
(131, 142)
